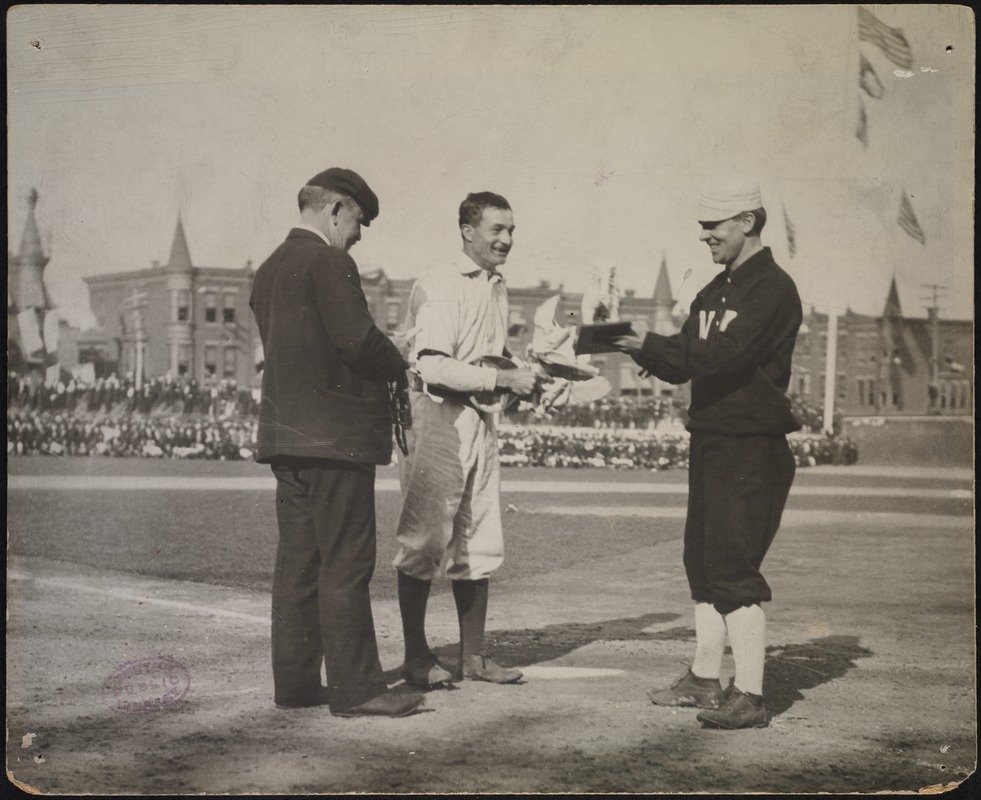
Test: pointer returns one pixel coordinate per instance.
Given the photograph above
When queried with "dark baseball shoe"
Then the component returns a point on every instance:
(738, 710)
(480, 668)
(424, 673)
(689, 691)
(388, 704)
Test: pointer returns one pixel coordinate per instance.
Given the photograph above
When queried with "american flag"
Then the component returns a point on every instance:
(907, 220)
(890, 40)
(863, 124)
(868, 80)
(791, 233)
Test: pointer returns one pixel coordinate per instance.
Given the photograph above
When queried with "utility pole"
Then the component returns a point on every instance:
(136, 303)
(933, 315)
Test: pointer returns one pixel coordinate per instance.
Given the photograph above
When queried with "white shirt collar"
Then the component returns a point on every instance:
(313, 230)
(467, 266)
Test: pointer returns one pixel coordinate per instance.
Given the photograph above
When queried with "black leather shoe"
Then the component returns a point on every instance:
(388, 704)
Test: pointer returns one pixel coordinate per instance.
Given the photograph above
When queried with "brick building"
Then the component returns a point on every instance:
(195, 322)
(889, 365)
(178, 318)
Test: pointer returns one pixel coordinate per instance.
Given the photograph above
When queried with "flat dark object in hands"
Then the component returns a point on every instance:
(599, 338)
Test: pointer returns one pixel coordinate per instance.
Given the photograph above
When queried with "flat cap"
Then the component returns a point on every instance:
(726, 197)
(348, 182)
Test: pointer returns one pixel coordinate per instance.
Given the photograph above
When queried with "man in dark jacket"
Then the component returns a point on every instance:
(736, 349)
(324, 425)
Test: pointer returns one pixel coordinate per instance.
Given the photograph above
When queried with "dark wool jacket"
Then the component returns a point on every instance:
(324, 392)
(735, 348)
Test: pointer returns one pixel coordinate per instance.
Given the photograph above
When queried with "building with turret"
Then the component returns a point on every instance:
(34, 328)
(178, 318)
(195, 322)
(889, 365)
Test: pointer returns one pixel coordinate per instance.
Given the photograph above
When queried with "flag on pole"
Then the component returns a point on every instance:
(30, 332)
(868, 80)
(890, 40)
(50, 329)
(863, 124)
(791, 233)
(907, 220)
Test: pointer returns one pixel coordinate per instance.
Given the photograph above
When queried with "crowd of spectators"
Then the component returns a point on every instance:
(166, 394)
(173, 418)
(650, 450)
(48, 433)
(616, 412)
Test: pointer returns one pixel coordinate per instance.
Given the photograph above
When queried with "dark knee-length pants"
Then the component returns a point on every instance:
(738, 486)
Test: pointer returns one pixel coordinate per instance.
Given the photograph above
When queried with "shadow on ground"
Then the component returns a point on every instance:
(521, 648)
(793, 667)
(790, 669)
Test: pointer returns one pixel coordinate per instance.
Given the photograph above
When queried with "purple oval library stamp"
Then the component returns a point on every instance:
(155, 683)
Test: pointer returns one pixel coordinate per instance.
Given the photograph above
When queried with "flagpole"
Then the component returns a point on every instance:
(830, 370)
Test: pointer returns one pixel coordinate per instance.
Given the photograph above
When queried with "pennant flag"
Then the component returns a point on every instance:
(890, 40)
(791, 233)
(863, 124)
(869, 81)
(907, 220)
(50, 329)
(30, 332)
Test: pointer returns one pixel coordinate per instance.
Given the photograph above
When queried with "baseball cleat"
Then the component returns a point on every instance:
(738, 710)
(689, 690)
(425, 673)
(480, 668)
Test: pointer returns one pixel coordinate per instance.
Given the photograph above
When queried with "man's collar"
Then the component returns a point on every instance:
(467, 266)
(304, 227)
(749, 266)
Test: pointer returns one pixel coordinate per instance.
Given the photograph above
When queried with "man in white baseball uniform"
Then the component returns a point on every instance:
(451, 516)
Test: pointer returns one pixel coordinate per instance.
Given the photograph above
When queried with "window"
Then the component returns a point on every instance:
(228, 370)
(183, 305)
(870, 400)
(210, 360)
(228, 312)
(861, 391)
(184, 359)
(210, 307)
(842, 386)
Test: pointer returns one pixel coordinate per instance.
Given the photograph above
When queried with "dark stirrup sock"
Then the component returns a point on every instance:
(471, 609)
(413, 599)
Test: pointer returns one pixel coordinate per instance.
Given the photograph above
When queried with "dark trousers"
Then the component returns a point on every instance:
(321, 603)
(737, 489)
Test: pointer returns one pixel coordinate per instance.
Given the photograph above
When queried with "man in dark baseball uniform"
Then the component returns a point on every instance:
(324, 425)
(735, 348)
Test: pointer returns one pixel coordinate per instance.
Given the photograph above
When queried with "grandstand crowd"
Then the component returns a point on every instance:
(172, 418)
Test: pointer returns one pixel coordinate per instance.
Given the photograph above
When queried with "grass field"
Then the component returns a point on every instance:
(229, 537)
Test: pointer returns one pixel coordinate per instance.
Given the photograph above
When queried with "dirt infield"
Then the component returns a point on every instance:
(870, 672)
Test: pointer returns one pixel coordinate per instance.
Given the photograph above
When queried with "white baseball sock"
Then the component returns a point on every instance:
(710, 641)
(747, 634)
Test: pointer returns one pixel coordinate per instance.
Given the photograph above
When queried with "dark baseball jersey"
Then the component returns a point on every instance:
(735, 348)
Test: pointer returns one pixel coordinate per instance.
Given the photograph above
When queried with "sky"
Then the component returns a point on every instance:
(599, 124)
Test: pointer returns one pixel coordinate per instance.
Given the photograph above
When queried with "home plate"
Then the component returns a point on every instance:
(566, 673)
